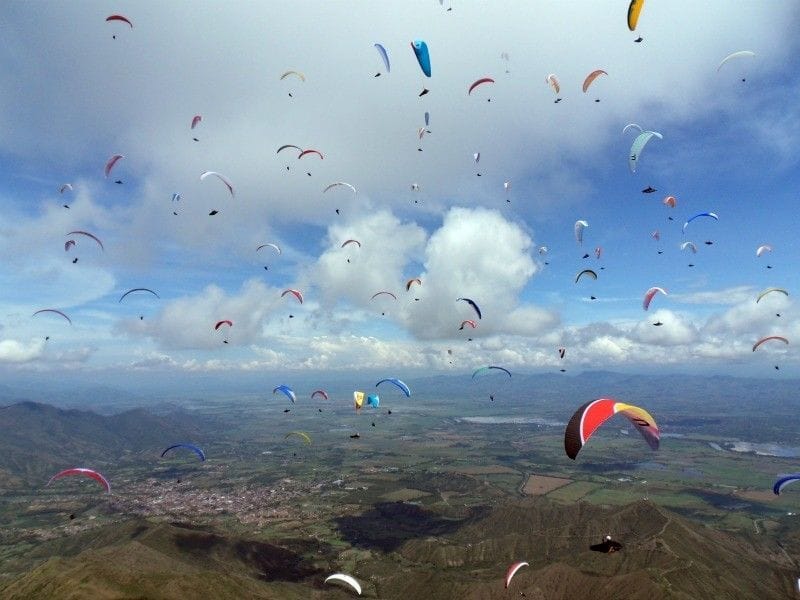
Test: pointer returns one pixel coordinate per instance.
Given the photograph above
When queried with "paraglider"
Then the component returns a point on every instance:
(689, 245)
(768, 338)
(512, 570)
(222, 178)
(412, 281)
(341, 576)
(358, 400)
(472, 304)
(296, 293)
(631, 126)
(219, 324)
(587, 272)
(590, 79)
(201, 455)
(297, 74)
(111, 162)
(562, 352)
(710, 215)
(579, 227)
(356, 242)
(322, 393)
(381, 293)
(373, 401)
(638, 146)
(669, 201)
(90, 473)
(195, 120)
(67, 187)
(52, 310)
(594, 413)
(285, 146)
(762, 249)
(384, 56)
(650, 294)
(396, 382)
(472, 324)
(285, 390)
(552, 81)
(89, 235)
(649, 190)
(423, 57)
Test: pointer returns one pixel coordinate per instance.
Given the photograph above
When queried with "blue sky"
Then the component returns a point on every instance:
(77, 89)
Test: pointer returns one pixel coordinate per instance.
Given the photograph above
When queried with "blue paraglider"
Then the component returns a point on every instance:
(374, 400)
(200, 454)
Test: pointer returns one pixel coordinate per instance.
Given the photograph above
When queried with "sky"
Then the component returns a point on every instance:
(76, 89)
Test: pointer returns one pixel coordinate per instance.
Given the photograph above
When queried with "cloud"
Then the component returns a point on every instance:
(13, 351)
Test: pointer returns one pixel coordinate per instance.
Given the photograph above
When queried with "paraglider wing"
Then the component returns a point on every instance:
(634, 9)
(111, 162)
(703, 214)
(119, 18)
(322, 393)
(473, 305)
(286, 390)
(87, 234)
(670, 201)
(588, 272)
(479, 82)
(301, 434)
(769, 291)
(590, 78)
(423, 57)
(412, 281)
(358, 400)
(223, 322)
(295, 73)
(64, 188)
(345, 579)
(311, 151)
(92, 474)
(376, 294)
(591, 415)
(472, 324)
(338, 183)
(68, 244)
(552, 81)
(191, 447)
(393, 380)
(512, 570)
(273, 246)
(768, 338)
(579, 227)
(296, 293)
(739, 54)
(222, 178)
(53, 310)
(762, 249)
(382, 51)
(632, 125)
(195, 120)
(356, 242)
(650, 294)
(138, 290)
(285, 146)
(484, 370)
(637, 147)
(782, 482)
(689, 245)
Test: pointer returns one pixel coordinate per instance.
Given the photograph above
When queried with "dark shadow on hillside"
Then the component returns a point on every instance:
(274, 563)
(389, 524)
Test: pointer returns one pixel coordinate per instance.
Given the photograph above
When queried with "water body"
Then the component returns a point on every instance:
(512, 421)
(770, 449)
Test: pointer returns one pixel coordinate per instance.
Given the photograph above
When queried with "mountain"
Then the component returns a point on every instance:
(38, 439)
(445, 557)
